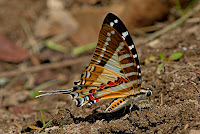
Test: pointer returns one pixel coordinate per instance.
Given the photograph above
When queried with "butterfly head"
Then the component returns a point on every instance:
(146, 91)
(149, 92)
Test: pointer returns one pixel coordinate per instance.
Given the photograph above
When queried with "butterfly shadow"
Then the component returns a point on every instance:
(105, 116)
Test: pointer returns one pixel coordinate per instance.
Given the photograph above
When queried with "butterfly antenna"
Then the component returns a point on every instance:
(53, 92)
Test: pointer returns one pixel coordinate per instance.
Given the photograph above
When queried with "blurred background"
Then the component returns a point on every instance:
(46, 44)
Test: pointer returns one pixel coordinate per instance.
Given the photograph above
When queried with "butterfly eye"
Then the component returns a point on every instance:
(149, 93)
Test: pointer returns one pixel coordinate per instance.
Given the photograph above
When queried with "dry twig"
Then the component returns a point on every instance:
(45, 66)
(183, 67)
(173, 25)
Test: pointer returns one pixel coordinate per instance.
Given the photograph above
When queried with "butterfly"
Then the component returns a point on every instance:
(113, 72)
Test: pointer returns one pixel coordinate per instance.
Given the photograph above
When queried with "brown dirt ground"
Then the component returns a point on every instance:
(179, 113)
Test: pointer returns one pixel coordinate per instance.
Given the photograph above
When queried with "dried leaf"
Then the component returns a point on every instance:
(10, 52)
(55, 22)
(34, 127)
(21, 109)
(151, 58)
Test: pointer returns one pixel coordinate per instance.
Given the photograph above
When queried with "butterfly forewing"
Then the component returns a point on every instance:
(119, 26)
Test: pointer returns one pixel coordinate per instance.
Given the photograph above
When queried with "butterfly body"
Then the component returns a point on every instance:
(129, 100)
(113, 72)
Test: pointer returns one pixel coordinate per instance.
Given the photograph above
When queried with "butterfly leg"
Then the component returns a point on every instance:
(130, 110)
(125, 109)
(131, 107)
(139, 112)
(152, 106)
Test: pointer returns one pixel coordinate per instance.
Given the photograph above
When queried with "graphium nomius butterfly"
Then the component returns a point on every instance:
(113, 72)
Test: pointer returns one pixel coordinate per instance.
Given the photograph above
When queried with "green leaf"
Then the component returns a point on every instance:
(162, 55)
(81, 49)
(56, 47)
(189, 6)
(175, 56)
(42, 116)
(45, 126)
(34, 93)
(160, 67)
(179, 8)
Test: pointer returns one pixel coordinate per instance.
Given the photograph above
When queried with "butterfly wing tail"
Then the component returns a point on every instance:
(53, 92)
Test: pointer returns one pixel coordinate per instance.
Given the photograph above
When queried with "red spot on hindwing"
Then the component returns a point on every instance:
(97, 99)
(91, 97)
(94, 90)
(117, 82)
(102, 86)
(111, 83)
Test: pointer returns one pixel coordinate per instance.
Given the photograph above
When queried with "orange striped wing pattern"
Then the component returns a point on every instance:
(113, 72)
